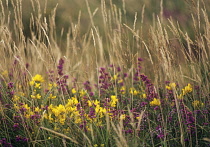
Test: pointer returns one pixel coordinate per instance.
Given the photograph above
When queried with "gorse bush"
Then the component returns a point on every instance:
(93, 89)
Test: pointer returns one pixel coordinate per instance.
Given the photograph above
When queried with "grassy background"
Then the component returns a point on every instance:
(106, 32)
(68, 11)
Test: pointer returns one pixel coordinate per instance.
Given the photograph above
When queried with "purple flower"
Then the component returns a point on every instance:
(129, 131)
(92, 113)
(87, 86)
(142, 104)
(140, 59)
(118, 69)
(159, 131)
(156, 108)
(4, 143)
(10, 85)
(60, 67)
(16, 126)
(125, 75)
(20, 138)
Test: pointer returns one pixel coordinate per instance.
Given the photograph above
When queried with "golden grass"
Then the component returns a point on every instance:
(168, 51)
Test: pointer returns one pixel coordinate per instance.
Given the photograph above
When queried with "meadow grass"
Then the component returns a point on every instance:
(110, 79)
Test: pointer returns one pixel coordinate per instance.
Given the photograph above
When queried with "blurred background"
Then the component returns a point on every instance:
(67, 11)
(77, 29)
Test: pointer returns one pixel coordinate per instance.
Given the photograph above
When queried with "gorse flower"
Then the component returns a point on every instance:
(187, 89)
(38, 78)
(50, 86)
(122, 117)
(197, 104)
(15, 98)
(51, 96)
(114, 78)
(82, 92)
(73, 90)
(144, 95)
(114, 101)
(133, 91)
(37, 85)
(122, 90)
(171, 86)
(155, 102)
(37, 96)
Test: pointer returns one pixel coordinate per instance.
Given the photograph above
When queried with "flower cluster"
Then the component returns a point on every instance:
(111, 107)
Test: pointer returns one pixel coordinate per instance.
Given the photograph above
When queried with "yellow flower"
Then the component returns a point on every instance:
(122, 90)
(115, 77)
(100, 111)
(155, 102)
(187, 89)
(137, 117)
(62, 119)
(16, 106)
(26, 107)
(51, 107)
(72, 102)
(171, 86)
(197, 104)
(37, 109)
(71, 109)
(50, 86)
(120, 81)
(180, 96)
(90, 103)
(50, 117)
(31, 83)
(133, 91)
(82, 92)
(78, 120)
(144, 95)
(61, 108)
(96, 102)
(37, 85)
(122, 117)
(114, 101)
(38, 78)
(15, 98)
(73, 91)
(37, 96)
(51, 96)
(168, 87)
(114, 98)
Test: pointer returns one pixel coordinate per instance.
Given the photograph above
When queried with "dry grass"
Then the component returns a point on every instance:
(166, 48)
(170, 53)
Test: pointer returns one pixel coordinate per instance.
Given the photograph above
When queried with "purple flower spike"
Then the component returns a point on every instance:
(60, 67)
